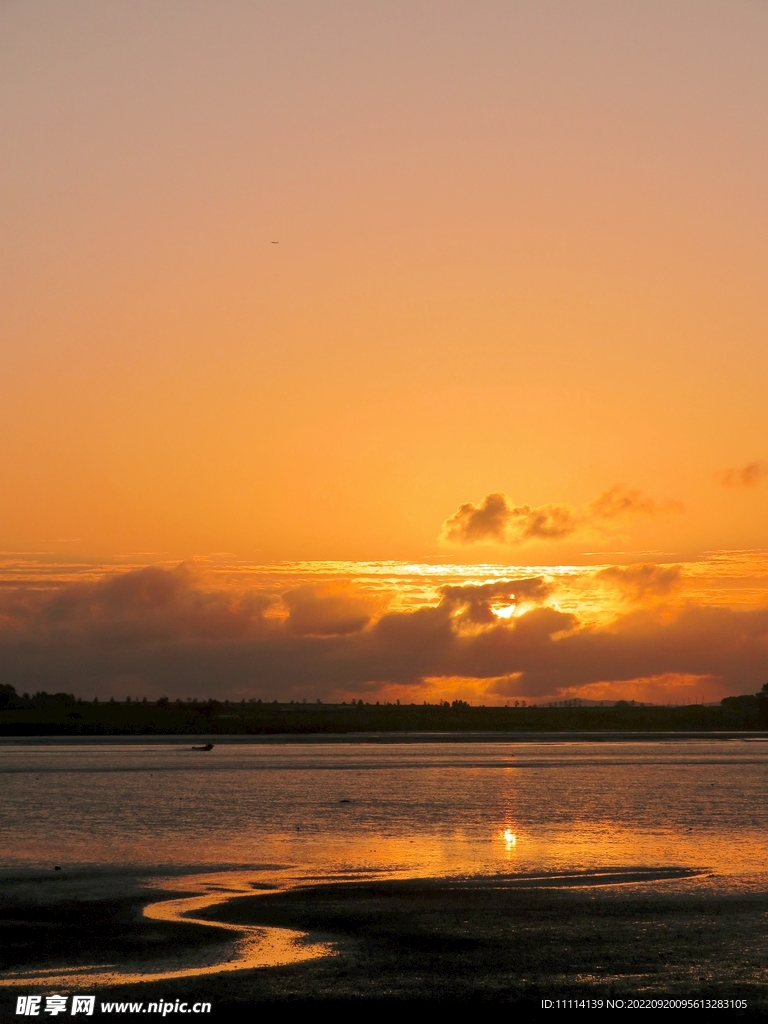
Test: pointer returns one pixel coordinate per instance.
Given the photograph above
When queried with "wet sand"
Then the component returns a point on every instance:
(91, 932)
(622, 933)
(51, 920)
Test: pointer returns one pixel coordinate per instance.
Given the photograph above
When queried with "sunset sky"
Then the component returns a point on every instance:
(399, 350)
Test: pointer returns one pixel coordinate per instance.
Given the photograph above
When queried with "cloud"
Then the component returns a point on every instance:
(727, 647)
(497, 520)
(545, 522)
(487, 521)
(640, 582)
(155, 631)
(478, 603)
(748, 476)
(619, 501)
(669, 687)
(149, 602)
(326, 610)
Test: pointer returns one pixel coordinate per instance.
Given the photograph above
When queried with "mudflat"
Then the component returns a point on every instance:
(625, 933)
(486, 941)
(49, 921)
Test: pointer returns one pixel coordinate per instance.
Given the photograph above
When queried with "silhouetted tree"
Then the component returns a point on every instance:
(8, 696)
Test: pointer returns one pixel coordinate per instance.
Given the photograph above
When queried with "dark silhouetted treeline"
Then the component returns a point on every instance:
(61, 714)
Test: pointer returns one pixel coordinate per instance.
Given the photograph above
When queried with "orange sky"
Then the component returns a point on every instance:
(521, 252)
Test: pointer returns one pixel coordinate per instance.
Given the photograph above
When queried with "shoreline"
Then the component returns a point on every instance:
(234, 739)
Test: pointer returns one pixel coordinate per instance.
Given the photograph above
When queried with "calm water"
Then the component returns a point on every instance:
(398, 809)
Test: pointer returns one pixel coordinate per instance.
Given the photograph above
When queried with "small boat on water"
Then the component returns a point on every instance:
(208, 746)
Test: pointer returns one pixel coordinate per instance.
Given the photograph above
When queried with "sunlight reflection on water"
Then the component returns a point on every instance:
(429, 809)
(251, 817)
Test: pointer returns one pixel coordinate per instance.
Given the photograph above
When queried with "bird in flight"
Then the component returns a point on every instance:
(275, 243)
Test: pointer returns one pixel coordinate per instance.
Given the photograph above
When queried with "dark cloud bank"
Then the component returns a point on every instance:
(156, 631)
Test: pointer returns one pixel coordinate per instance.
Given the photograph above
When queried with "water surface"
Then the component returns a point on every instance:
(395, 809)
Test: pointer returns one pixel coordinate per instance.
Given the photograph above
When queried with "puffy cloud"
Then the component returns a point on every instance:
(497, 520)
(149, 603)
(545, 522)
(748, 476)
(485, 522)
(640, 582)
